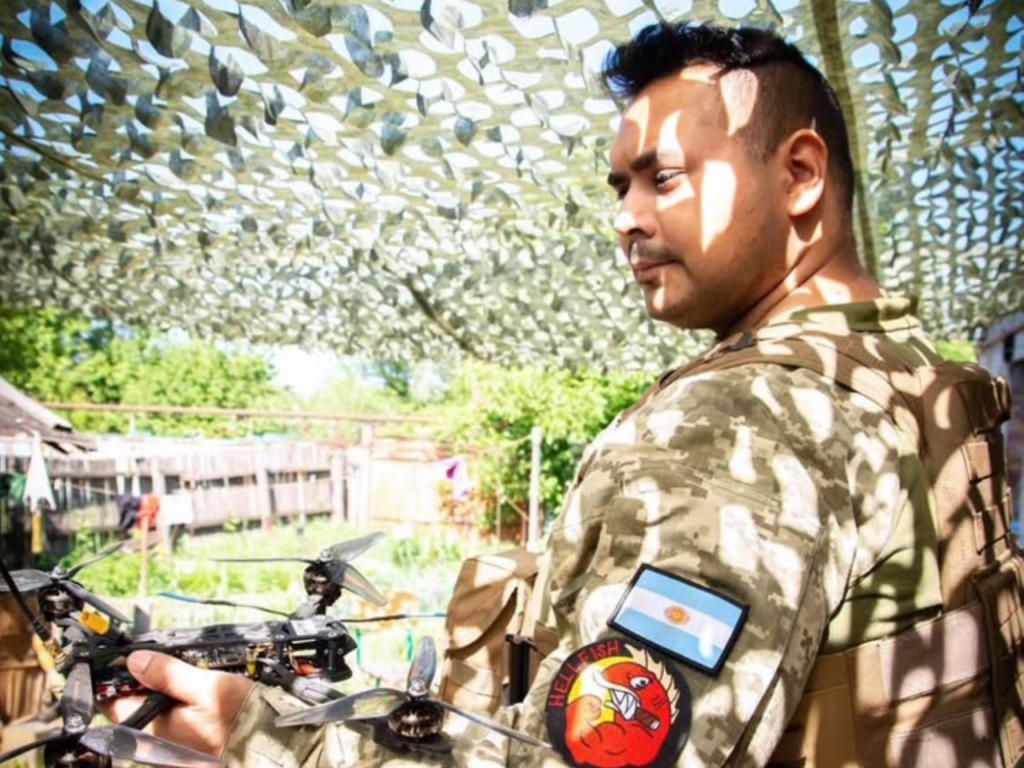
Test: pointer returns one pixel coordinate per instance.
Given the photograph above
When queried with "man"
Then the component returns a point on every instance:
(737, 523)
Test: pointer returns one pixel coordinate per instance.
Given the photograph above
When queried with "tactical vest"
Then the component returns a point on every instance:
(488, 651)
(946, 692)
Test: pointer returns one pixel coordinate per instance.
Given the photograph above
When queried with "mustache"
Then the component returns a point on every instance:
(645, 251)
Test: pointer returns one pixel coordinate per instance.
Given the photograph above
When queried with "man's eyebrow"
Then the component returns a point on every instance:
(616, 179)
(641, 162)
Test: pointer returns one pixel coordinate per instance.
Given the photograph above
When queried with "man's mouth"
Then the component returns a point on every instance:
(647, 272)
(645, 265)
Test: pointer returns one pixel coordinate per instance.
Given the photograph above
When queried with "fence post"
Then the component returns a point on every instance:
(366, 436)
(301, 476)
(533, 531)
(263, 491)
(359, 476)
(337, 486)
(156, 477)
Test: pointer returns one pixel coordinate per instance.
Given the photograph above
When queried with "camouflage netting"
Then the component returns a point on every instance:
(423, 179)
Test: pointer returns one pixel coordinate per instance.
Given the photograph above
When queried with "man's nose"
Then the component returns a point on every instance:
(631, 216)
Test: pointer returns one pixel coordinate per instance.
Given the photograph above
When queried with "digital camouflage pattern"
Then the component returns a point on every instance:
(771, 485)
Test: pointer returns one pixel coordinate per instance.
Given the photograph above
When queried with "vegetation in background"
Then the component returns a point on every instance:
(391, 565)
(494, 409)
(57, 356)
(485, 411)
(415, 571)
(958, 350)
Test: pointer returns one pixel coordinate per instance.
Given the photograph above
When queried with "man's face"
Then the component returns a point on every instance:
(700, 221)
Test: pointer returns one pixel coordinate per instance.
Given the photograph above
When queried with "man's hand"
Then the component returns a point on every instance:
(210, 700)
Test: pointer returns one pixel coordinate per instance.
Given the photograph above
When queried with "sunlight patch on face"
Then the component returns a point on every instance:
(741, 462)
(636, 121)
(738, 89)
(717, 196)
(817, 410)
(668, 135)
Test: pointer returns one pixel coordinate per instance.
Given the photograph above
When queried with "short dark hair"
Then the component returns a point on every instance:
(792, 94)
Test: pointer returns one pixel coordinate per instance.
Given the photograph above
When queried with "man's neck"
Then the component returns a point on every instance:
(837, 279)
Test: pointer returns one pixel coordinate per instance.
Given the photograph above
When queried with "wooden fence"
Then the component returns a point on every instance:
(387, 481)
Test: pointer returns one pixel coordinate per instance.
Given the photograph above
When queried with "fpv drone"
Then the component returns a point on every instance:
(295, 653)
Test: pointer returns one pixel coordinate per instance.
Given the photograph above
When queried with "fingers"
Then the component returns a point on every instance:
(118, 710)
(187, 684)
(180, 681)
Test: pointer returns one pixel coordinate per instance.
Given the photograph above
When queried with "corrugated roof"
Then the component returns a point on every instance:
(21, 415)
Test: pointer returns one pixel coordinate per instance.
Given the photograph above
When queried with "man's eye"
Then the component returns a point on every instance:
(661, 178)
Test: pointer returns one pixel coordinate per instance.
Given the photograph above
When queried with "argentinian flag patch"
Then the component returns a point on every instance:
(689, 622)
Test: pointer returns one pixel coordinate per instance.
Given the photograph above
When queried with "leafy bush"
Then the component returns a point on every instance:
(423, 551)
(957, 350)
(119, 574)
(499, 408)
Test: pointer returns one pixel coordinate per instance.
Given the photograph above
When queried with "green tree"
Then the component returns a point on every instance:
(57, 356)
(497, 409)
(957, 350)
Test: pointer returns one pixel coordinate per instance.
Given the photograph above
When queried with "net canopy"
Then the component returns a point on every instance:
(424, 180)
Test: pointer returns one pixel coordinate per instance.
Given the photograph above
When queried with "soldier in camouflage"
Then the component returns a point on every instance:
(768, 484)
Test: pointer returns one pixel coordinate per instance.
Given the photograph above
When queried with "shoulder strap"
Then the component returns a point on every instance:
(960, 443)
(861, 363)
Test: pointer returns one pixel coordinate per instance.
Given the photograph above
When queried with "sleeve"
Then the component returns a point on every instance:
(254, 742)
(743, 482)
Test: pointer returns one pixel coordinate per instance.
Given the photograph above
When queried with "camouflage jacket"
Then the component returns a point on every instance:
(772, 485)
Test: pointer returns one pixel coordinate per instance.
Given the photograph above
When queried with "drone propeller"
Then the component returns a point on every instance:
(334, 561)
(123, 743)
(36, 622)
(31, 580)
(76, 702)
(387, 705)
(423, 669)
(105, 552)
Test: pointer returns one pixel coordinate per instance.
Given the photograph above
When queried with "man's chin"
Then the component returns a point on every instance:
(672, 314)
(658, 308)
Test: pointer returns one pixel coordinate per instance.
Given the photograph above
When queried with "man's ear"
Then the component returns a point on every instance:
(806, 166)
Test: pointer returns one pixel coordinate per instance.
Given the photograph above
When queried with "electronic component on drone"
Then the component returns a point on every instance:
(313, 647)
